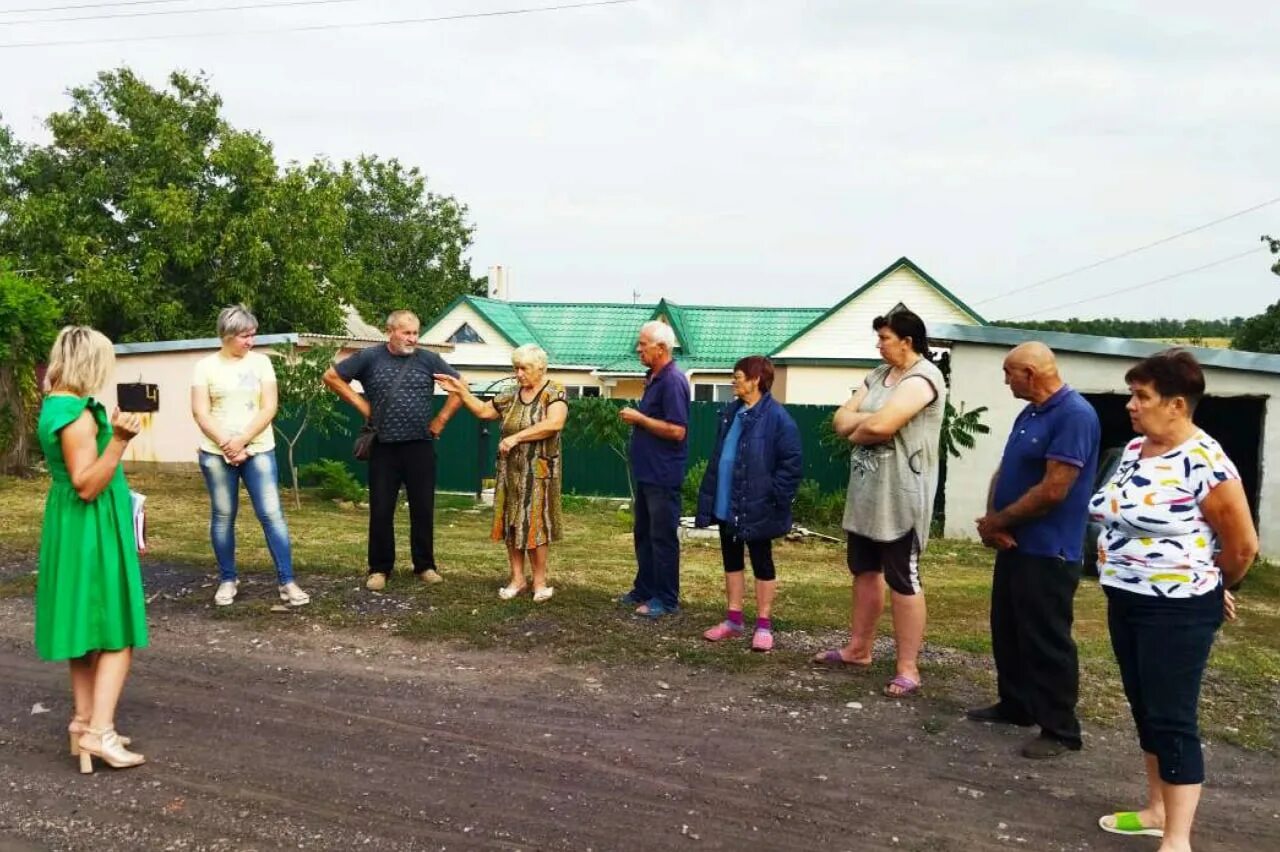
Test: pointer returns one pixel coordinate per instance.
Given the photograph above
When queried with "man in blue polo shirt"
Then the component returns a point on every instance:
(1036, 513)
(658, 452)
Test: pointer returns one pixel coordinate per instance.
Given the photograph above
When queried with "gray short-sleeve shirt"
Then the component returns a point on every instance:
(406, 416)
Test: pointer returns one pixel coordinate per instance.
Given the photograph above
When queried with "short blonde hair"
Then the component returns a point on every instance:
(81, 361)
(529, 355)
(234, 321)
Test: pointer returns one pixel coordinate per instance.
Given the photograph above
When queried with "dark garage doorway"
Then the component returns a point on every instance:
(1235, 421)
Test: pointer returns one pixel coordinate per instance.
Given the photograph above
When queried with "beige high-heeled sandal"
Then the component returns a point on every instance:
(108, 749)
(76, 727)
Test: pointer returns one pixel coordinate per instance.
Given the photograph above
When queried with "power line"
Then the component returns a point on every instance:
(90, 6)
(1151, 283)
(501, 13)
(155, 13)
(1033, 285)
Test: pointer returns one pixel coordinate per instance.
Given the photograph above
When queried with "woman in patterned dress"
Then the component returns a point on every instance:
(526, 504)
(1177, 535)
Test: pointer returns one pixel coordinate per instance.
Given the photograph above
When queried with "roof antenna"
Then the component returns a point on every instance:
(635, 296)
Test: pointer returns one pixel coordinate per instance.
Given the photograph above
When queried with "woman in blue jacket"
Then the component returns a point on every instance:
(747, 490)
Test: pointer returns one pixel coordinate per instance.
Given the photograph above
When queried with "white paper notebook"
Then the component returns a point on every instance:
(139, 520)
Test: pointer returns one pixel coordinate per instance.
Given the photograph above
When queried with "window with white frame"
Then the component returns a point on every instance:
(713, 393)
(581, 391)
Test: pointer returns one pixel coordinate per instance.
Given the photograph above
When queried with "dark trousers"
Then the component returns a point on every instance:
(733, 552)
(1037, 672)
(657, 523)
(413, 465)
(1162, 646)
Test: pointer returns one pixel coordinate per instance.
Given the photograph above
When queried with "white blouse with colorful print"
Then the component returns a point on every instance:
(1155, 540)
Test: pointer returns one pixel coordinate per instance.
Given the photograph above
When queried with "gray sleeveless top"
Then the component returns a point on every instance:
(892, 485)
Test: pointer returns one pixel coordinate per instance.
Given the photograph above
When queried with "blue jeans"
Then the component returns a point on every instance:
(1162, 646)
(657, 523)
(261, 481)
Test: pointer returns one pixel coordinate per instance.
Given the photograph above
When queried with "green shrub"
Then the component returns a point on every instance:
(689, 490)
(332, 480)
(813, 508)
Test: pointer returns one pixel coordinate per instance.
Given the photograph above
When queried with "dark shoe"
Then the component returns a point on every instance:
(629, 599)
(995, 714)
(1043, 747)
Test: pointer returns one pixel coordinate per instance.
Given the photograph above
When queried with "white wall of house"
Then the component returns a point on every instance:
(847, 332)
(495, 351)
(813, 385)
(977, 379)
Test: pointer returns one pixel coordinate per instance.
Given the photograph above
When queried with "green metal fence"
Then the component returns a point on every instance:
(466, 451)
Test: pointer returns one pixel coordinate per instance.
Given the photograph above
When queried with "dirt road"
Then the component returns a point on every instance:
(316, 739)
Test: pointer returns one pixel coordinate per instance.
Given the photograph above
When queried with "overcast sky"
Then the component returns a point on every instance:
(772, 152)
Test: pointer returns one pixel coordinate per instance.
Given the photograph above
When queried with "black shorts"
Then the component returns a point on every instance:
(898, 560)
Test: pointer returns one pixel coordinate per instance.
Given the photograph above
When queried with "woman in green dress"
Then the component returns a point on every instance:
(89, 602)
(526, 501)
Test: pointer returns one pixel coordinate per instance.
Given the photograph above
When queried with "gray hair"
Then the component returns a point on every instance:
(235, 320)
(529, 355)
(660, 333)
(396, 317)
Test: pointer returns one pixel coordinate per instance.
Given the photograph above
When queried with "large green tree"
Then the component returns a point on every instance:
(406, 246)
(28, 324)
(1261, 333)
(148, 212)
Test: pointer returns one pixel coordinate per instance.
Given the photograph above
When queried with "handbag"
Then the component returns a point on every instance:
(363, 445)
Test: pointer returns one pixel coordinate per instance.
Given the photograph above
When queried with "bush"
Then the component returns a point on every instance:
(689, 490)
(332, 480)
(813, 508)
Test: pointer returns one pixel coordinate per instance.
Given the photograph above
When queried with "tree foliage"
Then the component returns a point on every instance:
(28, 325)
(1153, 328)
(596, 423)
(304, 401)
(147, 212)
(1274, 245)
(405, 245)
(1261, 333)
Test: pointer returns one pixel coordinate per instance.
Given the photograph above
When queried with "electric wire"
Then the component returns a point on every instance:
(499, 13)
(1040, 283)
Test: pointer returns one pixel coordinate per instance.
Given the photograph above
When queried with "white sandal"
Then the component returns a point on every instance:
(509, 592)
(543, 594)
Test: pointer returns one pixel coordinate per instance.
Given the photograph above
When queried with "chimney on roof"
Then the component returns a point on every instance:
(498, 282)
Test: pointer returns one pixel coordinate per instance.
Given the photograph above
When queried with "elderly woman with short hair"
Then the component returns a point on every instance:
(233, 400)
(526, 504)
(1177, 535)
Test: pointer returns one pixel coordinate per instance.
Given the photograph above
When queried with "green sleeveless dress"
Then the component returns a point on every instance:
(89, 588)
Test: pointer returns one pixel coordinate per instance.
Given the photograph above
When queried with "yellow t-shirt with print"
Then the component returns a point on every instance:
(235, 396)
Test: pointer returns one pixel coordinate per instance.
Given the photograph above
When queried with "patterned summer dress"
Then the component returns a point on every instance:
(526, 503)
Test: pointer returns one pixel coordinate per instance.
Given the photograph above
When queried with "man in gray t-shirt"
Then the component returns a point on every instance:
(398, 382)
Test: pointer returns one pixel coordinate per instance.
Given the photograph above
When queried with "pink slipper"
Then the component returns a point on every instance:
(906, 687)
(833, 658)
(723, 630)
(762, 640)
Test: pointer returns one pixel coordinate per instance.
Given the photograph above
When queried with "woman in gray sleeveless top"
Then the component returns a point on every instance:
(894, 422)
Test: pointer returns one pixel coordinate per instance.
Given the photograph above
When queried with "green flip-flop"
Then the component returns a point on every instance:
(1127, 822)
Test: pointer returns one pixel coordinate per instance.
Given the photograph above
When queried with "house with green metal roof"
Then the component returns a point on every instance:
(820, 353)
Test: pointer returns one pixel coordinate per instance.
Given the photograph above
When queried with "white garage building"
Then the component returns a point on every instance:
(1241, 409)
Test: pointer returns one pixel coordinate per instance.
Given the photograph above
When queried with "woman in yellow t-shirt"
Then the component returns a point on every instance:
(233, 399)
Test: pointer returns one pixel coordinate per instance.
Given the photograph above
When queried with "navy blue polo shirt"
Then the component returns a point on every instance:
(1065, 429)
(654, 460)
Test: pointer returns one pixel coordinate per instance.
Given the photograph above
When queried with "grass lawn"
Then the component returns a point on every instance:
(594, 564)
